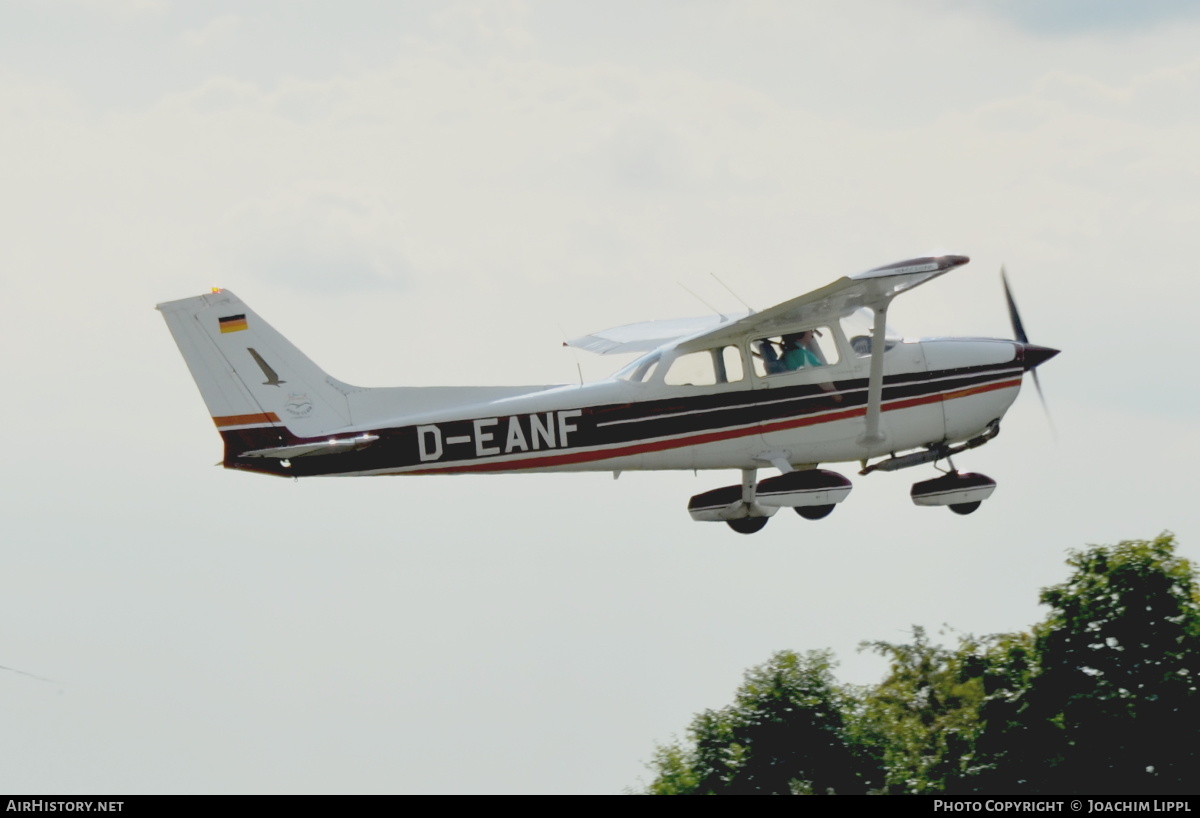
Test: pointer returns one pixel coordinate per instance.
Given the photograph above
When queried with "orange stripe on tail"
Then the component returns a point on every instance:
(242, 420)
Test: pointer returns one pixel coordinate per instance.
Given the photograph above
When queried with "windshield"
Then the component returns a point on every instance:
(859, 327)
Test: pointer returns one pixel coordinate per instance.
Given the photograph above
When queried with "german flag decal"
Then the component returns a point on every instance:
(233, 323)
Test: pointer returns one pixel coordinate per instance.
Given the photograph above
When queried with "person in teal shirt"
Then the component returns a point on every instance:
(798, 353)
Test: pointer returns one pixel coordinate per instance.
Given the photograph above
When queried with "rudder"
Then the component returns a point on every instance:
(259, 388)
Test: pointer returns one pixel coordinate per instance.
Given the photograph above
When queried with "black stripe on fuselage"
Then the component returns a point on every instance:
(615, 426)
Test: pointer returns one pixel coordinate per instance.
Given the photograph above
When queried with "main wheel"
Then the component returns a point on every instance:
(964, 508)
(748, 525)
(814, 512)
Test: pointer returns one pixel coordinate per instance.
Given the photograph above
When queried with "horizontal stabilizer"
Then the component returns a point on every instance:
(335, 446)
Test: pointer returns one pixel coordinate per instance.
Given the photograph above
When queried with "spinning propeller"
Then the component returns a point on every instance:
(1033, 354)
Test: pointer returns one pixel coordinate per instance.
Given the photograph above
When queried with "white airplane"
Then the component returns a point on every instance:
(817, 379)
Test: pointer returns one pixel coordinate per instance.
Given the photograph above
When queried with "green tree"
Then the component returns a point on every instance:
(924, 718)
(1100, 697)
(785, 733)
(1117, 665)
(1008, 751)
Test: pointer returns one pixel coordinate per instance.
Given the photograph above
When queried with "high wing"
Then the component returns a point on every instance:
(874, 289)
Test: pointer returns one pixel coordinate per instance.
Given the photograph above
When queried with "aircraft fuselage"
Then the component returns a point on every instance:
(812, 417)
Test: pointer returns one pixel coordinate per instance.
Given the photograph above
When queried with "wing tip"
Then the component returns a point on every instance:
(927, 263)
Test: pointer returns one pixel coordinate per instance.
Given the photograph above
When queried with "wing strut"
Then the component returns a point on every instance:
(873, 436)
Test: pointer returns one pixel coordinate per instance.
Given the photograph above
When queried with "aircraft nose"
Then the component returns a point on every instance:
(1034, 356)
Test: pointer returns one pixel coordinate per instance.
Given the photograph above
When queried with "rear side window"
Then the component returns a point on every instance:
(706, 368)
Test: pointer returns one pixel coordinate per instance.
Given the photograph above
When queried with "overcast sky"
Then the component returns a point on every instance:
(396, 186)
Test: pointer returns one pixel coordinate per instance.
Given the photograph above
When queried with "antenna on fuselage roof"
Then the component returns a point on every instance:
(735, 295)
(578, 368)
(724, 317)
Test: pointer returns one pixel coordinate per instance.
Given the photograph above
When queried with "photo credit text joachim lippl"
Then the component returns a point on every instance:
(1074, 805)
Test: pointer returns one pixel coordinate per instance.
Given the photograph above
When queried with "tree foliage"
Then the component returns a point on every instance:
(1101, 696)
(785, 733)
(924, 717)
(1117, 664)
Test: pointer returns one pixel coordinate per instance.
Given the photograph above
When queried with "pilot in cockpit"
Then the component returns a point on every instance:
(798, 351)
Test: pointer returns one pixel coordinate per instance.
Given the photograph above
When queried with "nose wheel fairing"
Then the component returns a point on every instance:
(962, 492)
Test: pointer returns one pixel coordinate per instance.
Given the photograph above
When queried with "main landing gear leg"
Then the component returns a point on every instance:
(748, 525)
(741, 505)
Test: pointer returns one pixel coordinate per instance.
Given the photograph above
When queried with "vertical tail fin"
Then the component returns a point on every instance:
(260, 390)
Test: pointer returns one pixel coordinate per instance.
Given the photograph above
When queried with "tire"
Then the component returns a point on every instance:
(814, 512)
(748, 525)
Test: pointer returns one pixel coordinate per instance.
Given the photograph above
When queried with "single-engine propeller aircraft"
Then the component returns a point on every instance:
(817, 379)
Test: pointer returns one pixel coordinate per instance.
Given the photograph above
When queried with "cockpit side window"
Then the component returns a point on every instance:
(794, 352)
(706, 368)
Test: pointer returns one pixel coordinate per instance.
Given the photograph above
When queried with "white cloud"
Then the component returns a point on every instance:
(487, 22)
(121, 7)
(218, 31)
(316, 240)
